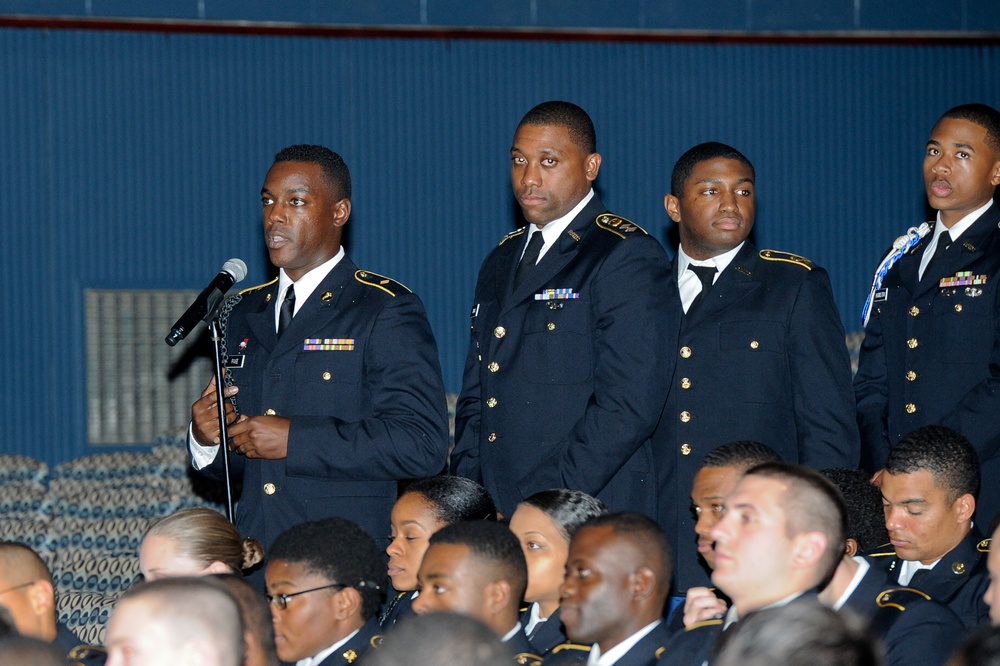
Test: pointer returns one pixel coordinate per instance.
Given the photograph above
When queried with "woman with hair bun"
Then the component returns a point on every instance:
(424, 507)
(544, 524)
(196, 542)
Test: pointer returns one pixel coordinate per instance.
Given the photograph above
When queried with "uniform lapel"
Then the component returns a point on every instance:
(970, 248)
(318, 309)
(732, 286)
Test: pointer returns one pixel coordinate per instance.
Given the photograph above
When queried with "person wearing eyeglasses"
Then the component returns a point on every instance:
(26, 590)
(324, 583)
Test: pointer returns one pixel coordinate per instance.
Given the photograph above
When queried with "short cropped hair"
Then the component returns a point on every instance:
(943, 452)
(254, 610)
(339, 550)
(17, 559)
(742, 455)
(334, 169)
(454, 498)
(643, 533)
(568, 509)
(568, 115)
(441, 638)
(811, 504)
(492, 544)
(985, 116)
(863, 501)
(206, 536)
(702, 153)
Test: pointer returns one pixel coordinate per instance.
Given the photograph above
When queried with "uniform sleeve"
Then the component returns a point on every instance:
(405, 434)
(871, 391)
(820, 369)
(637, 326)
(465, 455)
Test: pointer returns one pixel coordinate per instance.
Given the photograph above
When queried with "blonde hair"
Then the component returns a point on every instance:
(203, 534)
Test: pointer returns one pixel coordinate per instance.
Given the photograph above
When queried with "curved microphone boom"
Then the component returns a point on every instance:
(232, 272)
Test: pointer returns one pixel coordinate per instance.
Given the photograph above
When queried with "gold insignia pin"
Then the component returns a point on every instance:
(267, 299)
(958, 567)
(983, 546)
(327, 295)
(350, 656)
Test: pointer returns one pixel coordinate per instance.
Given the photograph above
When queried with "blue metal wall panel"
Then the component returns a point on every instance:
(135, 160)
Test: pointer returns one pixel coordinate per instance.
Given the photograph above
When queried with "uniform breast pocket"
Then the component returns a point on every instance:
(324, 379)
(753, 355)
(557, 348)
(961, 314)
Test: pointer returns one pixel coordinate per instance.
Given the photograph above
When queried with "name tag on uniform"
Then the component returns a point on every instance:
(881, 295)
(328, 344)
(234, 361)
(475, 310)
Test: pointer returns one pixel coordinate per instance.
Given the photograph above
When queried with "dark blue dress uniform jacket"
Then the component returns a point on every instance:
(565, 392)
(932, 354)
(763, 358)
(365, 413)
(646, 652)
(367, 638)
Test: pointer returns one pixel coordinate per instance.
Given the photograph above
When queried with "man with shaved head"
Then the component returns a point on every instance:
(175, 622)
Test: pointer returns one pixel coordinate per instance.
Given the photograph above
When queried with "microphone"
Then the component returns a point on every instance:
(232, 272)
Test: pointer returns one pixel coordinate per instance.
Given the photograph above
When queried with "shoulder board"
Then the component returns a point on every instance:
(513, 234)
(617, 225)
(704, 623)
(898, 597)
(787, 257)
(569, 646)
(258, 287)
(388, 285)
(527, 659)
(983, 546)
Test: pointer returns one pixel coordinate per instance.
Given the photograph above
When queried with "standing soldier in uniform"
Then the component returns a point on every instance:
(571, 329)
(762, 353)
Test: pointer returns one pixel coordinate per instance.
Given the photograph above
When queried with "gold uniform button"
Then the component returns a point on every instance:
(269, 412)
(550, 326)
(685, 352)
(494, 366)
(685, 449)
(754, 344)
(912, 343)
(958, 567)
(326, 376)
(958, 307)
(914, 311)
(491, 403)
(269, 489)
(910, 408)
(910, 375)
(685, 383)
(492, 437)
(685, 416)
(499, 332)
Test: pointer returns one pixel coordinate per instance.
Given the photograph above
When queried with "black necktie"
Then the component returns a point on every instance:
(707, 276)
(529, 259)
(287, 310)
(944, 242)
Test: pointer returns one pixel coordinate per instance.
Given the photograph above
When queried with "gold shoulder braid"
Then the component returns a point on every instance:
(617, 225)
(513, 234)
(388, 285)
(787, 257)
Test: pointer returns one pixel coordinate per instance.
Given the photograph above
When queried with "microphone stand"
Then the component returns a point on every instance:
(215, 332)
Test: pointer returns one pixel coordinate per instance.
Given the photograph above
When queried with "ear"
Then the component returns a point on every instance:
(673, 207)
(42, 597)
(218, 567)
(995, 179)
(643, 583)
(966, 506)
(808, 549)
(497, 596)
(347, 604)
(341, 212)
(852, 547)
(593, 165)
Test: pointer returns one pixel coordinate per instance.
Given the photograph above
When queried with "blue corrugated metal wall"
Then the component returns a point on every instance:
(134, 160)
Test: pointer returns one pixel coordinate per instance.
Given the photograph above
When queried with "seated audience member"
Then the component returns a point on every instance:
(617, 582)
(16, 650)
(913, 628)
(175, 621)
(258, 630)
(992, 594)
(424, 507)
(929, 490)
(781, 538)
(196, 542)
(324, 582)
(720, 470)
(545, 524)
(981, 647)
(799, 635)
(477, 569)
(26, 590)
(441, 638)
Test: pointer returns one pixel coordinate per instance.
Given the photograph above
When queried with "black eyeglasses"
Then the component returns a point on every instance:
(17, 587)
(280, 601)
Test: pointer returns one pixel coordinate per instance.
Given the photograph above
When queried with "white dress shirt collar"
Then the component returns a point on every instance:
(552, 230)
(305, 285)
